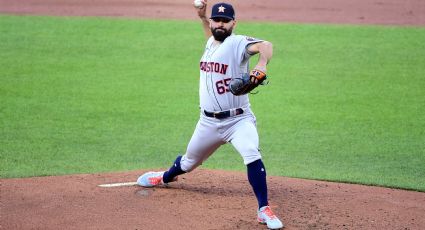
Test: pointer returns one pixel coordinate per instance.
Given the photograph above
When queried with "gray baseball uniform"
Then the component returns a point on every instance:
(219, 64)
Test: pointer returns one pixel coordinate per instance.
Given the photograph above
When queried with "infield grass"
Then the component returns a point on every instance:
(85, 95)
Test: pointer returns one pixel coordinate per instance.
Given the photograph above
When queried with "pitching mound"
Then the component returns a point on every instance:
(203, 199)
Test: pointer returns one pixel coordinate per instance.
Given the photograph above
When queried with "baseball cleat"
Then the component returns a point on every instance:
(266, 216)
(150, 179)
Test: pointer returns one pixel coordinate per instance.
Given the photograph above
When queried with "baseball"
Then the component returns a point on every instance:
(198, 4)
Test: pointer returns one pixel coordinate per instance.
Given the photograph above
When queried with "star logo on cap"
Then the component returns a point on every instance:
(221, 9)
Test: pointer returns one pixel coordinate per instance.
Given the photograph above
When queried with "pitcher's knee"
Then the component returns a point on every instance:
(250, 154)
(251, 158)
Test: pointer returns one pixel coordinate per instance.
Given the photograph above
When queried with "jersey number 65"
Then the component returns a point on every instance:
(223, 85)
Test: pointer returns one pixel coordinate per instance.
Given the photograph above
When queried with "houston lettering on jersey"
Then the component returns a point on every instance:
(213, 67)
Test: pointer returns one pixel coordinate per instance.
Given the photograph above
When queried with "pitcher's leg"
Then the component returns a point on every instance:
(245, 140)
(203, 143)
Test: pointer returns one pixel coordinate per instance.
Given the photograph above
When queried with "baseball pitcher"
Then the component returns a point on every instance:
(225, 82)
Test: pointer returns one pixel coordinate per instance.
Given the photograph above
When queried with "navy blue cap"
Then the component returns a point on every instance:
(223, 10)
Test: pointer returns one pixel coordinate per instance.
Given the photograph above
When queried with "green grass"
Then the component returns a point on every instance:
(84, 95)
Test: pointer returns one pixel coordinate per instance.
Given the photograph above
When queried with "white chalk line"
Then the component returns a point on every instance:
(117, 184)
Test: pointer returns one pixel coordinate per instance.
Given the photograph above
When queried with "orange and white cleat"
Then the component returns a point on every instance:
(266, 216)
(150, 179)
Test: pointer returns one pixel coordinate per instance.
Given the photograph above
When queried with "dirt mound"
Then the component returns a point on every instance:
(203, 199)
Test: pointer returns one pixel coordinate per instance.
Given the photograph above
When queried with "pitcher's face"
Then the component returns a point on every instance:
(221, 28)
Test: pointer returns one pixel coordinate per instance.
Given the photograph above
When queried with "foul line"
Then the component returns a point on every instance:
(117, 184)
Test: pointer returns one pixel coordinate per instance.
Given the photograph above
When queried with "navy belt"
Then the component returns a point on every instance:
(224, 114)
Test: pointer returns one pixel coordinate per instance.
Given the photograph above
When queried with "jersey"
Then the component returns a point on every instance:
(218, 65)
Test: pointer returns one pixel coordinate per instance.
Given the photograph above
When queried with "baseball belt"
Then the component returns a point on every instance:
(224, 114)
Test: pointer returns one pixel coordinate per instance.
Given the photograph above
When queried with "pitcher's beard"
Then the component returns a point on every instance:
(220, 35)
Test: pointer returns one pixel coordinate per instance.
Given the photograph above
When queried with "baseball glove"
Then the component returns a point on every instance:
(246, 83)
